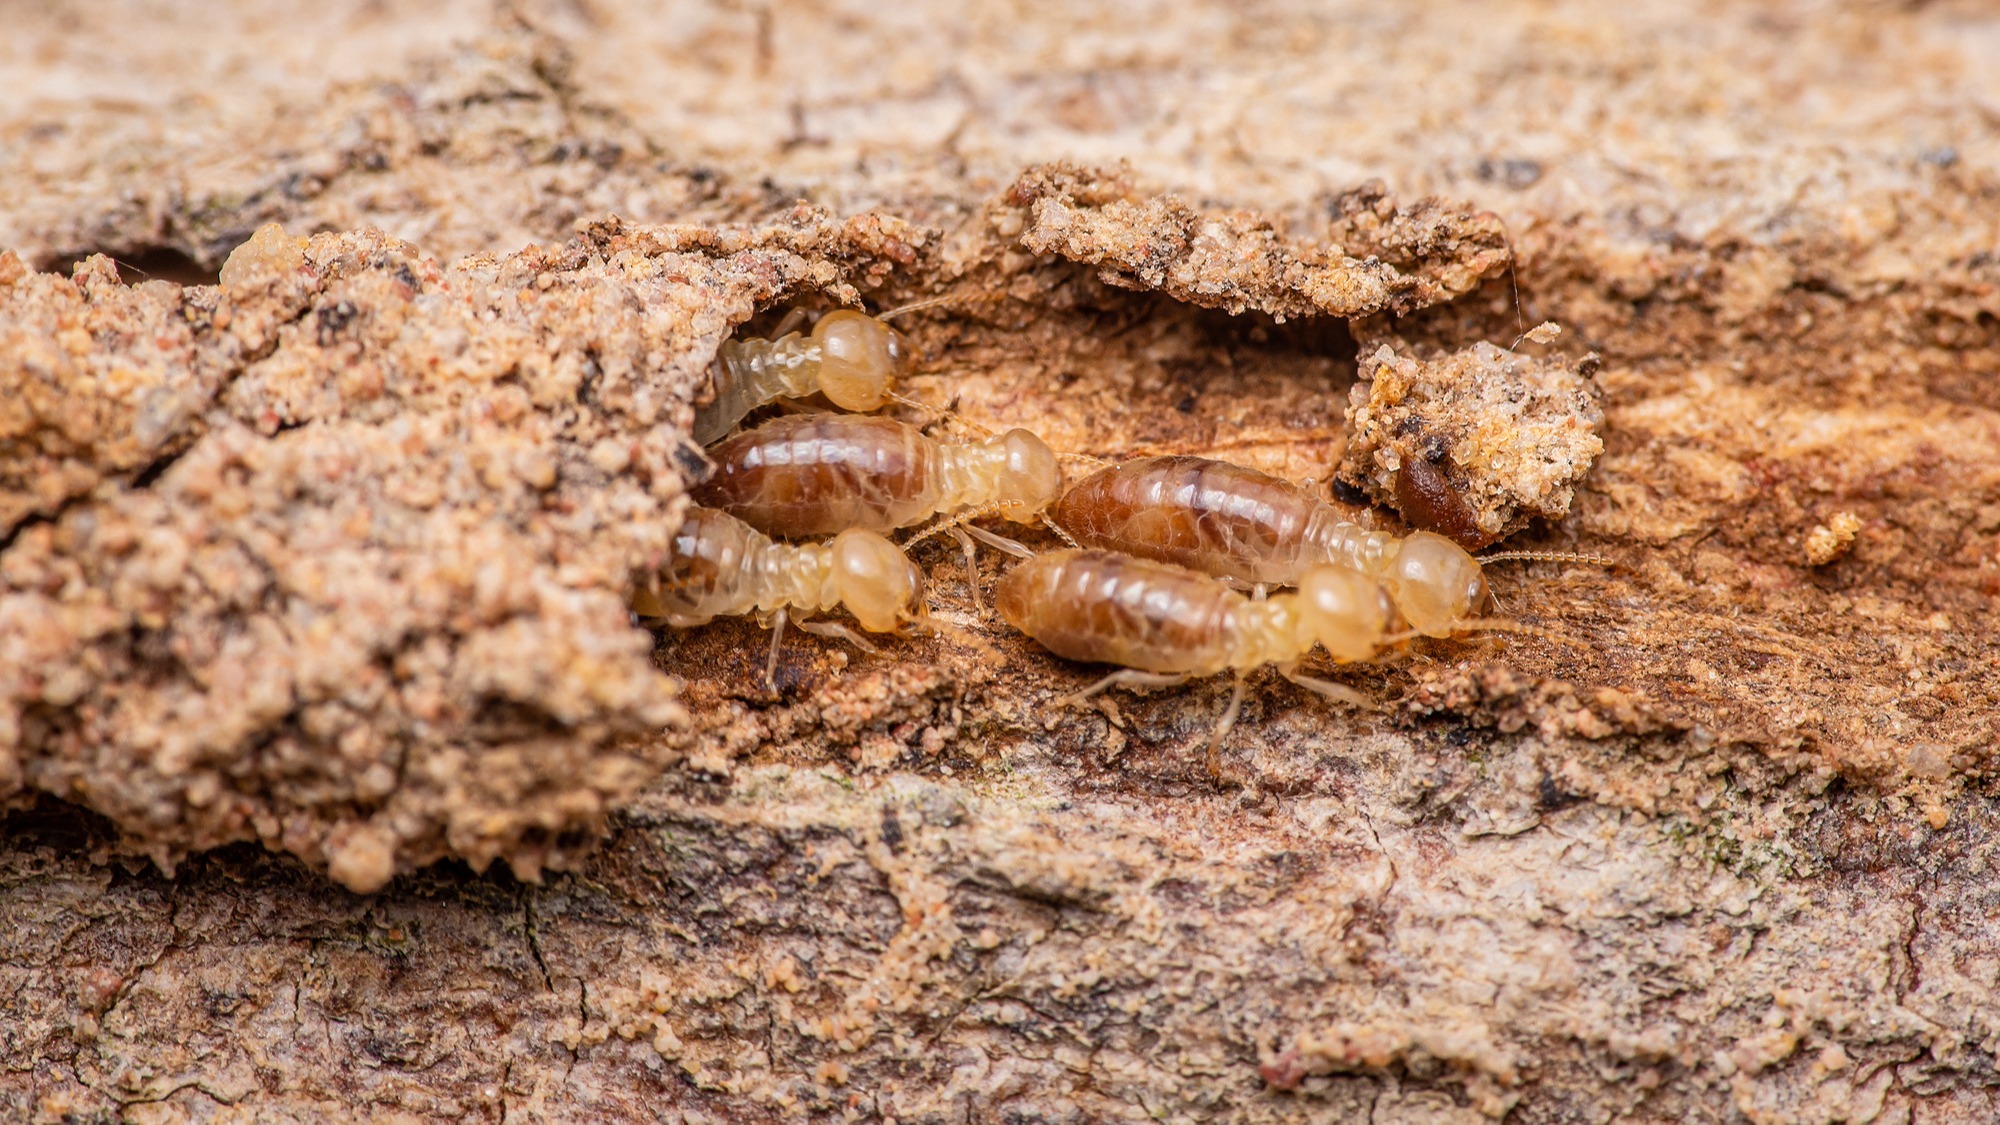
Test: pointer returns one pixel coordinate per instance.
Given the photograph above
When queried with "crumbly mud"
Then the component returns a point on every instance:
(1473, 444)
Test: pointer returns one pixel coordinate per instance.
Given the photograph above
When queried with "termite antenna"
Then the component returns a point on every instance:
(1093, 462)
(1514, 279)
(947, 414)
(939, 414)
(916, 306)
(1050, 523)
(933, 302)
(1545, 556)
(1502, 625)
(938, 528)
(914, 404)
(963, 636)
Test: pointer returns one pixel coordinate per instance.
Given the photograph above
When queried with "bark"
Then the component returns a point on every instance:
(342, 785)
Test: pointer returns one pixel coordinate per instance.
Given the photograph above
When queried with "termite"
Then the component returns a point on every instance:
(1249, 527)
(1425, 498)
(1166, 624)
(850, 357)
(722, 567)
(810, 475)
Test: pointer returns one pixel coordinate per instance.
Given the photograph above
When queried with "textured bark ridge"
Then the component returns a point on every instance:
(1239, 260)
(314, 559)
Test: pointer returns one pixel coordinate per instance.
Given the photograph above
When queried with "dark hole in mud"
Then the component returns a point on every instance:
(1097, 371)
(58, 825)
(153, 263)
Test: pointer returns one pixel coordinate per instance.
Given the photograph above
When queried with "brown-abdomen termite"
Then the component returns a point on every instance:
(1240, 524)
(722, 567)
(820, 474)
(1167, 624)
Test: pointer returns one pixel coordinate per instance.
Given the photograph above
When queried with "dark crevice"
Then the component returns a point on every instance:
(30, 520)
(534, 937)
(150, 474)
(138, 264)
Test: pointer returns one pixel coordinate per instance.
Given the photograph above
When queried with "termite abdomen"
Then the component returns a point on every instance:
(1208, 515)
(1106, 608)
(819, 474)
(700, 578)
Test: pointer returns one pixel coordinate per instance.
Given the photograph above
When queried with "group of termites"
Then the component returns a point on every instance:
(1170, 561)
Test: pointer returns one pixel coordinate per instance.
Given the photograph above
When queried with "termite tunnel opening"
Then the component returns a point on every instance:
(1094, 370)
(142, 264)
(1110, 373)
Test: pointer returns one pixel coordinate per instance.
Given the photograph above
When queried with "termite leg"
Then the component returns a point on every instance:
(1125, 677)
(771, 665)
(971, 567)
(996, 541)
(1000, 542)
(1327, 689)
(1222, 728)
(792, 322)
(839, 632)
(1065, 536)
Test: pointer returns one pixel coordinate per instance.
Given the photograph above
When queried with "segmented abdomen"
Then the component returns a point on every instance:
(1330, 538)
(820, 474)
(752, 372)
(1207, 515)
(721, 567)
(1108, 608)
(704, 578)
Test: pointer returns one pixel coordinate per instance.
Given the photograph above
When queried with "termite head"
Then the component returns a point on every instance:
(1344, 610)
(1030, 478)
(859, 357)
(1435, 583)
(879, 584)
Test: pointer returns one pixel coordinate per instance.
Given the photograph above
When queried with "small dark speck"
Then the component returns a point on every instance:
(1514, 173)
(1553, 797)
(332, 320)
(1348, 494)
(694, 464)
(1186, 405)
(892, 829)
(1944, 156)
